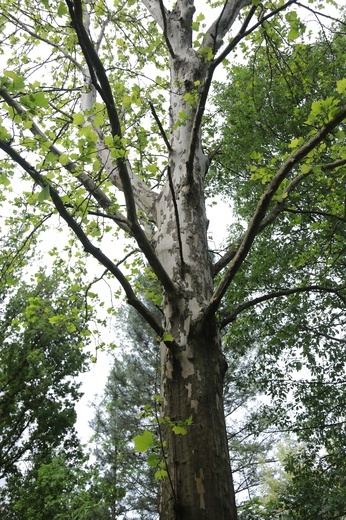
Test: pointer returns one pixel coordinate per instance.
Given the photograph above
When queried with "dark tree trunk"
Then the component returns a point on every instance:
(200, 483)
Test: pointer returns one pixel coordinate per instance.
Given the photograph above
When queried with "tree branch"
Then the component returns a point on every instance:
(243, 33)
(219, 28)
(90, 185)
(278, 208)
(176, 212)
(157, 11)
(314, 212)
(87, 244)
(165, 31)
(278, 294)
(159, 124)
(196, 127)
(101, 83)
(148, 199)
(257, 220)
(327, 336)
(37, 36)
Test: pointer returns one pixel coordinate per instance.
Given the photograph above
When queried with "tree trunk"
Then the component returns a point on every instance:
(200, 483)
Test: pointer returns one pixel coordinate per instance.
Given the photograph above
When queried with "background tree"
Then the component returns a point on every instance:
(43, 330)
(60, 487)
(88, 129)
(303, 484)
(128, 482)
(302, 371)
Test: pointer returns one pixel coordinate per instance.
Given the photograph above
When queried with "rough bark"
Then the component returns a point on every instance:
(200, 483)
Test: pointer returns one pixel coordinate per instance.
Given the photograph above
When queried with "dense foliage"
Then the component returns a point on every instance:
(290, 346)
(43, 333)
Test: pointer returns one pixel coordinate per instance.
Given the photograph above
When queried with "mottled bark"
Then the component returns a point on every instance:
(200, 481)
(200, 484)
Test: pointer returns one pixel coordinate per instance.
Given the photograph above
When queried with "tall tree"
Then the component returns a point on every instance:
(41, 338)
(128, 481)
(85, 93)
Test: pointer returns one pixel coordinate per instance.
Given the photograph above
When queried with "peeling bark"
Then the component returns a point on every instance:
(198, 462)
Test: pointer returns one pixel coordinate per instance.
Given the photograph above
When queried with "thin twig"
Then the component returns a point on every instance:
(176, 212)
(159, 124)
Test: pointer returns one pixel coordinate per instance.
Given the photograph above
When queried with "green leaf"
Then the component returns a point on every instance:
(293, 33)
(99, 120)
(143, 442)
(40, 100)
(179, 430)
(161, 473)
(62, 9)
(44, 194)
(4, 134)
(78, 119)
(4, 181)
(341, 85)
(54, 319)
(153, 460)
(167, 337)
(63, 159)
(18, 81)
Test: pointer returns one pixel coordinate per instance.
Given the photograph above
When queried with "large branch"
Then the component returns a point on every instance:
(101, 83)
(259, 215)
(87, 244)
(278, 294)
(218, 30)
(278, 208)
(197, 122)
(90, 185)
(145, 198)
(220, 27)
(243, 32)
(157, 11)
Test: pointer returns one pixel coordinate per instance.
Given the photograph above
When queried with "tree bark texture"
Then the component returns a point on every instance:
(200, 482)
(199, 485)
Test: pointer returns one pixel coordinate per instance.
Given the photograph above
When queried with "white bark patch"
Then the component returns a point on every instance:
(189, 389)
(194, 308)
(187, 324)
(200, 488)
(194, 404)
(169, 369)
(165, 250)
(166, 363)
(188, 368)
